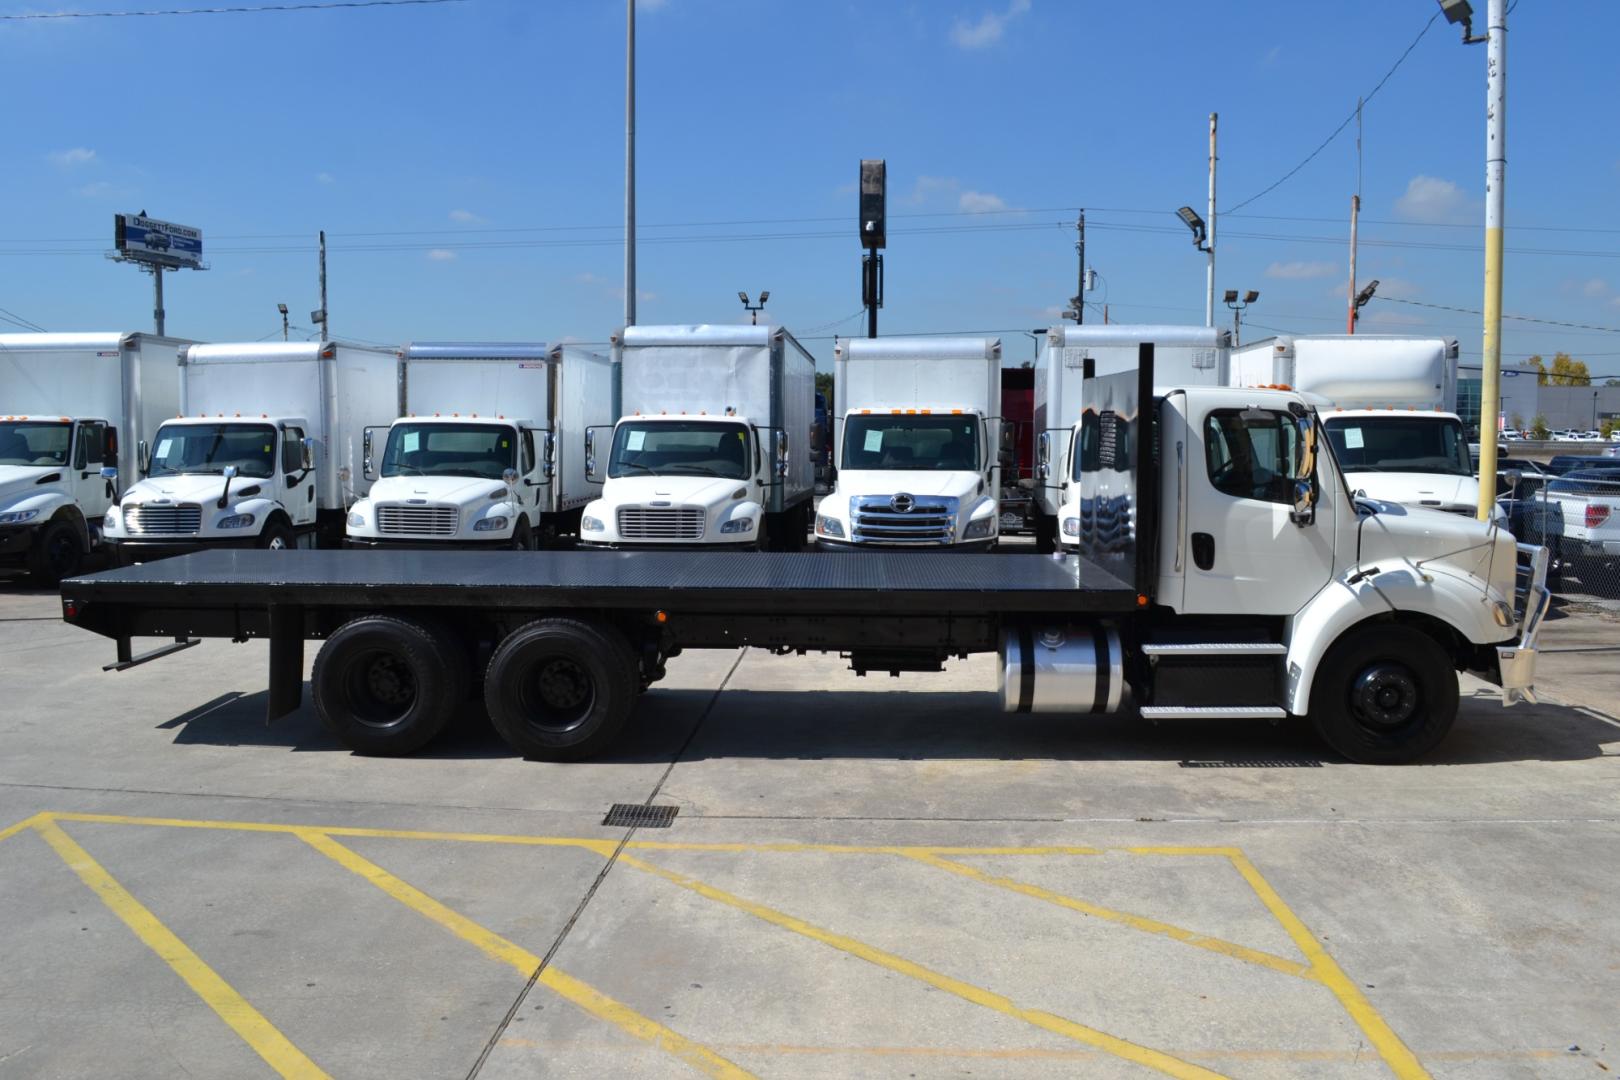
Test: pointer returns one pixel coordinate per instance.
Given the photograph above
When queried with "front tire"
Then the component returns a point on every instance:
(387, 686)
(277, 536)
(561, 689)
(1385, 694)
(56, 554)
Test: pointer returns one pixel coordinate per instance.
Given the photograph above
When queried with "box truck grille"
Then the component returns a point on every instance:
(418, 520)
(182, 520)
(902, 519)
(649, 523)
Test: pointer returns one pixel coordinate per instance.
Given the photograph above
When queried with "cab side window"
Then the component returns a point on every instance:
(292, 450)
(1250, 453)
(526, 462)
(87, 445)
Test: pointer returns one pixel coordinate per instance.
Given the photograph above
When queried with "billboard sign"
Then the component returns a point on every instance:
(149, 240)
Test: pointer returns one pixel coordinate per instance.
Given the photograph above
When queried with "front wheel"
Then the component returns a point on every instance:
(1384, 695)
(56, 554)
(277, 536)
(561, 689)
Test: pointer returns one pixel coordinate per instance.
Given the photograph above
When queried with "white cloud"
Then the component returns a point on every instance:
(465, 217)
(1271, 55)
(1595, 288)
(1615, 302)
(1433, 200)
(989, 27)
(1386, 317)
(325, 178)
(100, 189)
(1299, 271)
(68, 159)
(980, 202)
(441, 255)
(927, 187)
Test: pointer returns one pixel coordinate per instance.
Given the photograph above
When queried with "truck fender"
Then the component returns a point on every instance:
(53, 506)
(1402, 590)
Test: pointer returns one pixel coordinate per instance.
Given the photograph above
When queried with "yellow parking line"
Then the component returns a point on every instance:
(25, 823)
(270, 1044)
(1121, 1048)
(1402, 1062)
(526, 962)
(1124, 918)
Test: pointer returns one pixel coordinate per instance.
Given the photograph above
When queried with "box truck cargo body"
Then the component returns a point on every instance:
(71, 406)
(918, 443)
(713, 443)
(266, 451)
(488, 450)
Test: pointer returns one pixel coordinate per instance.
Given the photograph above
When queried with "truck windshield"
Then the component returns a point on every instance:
(32, 442)
(208, 448)
(482, 450)
(911, 442)
(1411, 444)
(680, 448)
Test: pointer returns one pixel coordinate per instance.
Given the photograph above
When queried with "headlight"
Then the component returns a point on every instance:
(236, 521)
(829, 526)
(17, 517)
(110, 523)
(490, 524)
(590, 524)
(979, 529)
(357, 521)
(738, 525)
(1071, 526)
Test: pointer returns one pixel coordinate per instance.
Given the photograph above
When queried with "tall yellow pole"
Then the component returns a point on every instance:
(1495, 170)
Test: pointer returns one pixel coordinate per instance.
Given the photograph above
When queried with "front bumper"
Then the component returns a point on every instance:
(164, 547)
(630, 545)
(969, 546)
(373, 543)
(15, 542)
(1516, 662)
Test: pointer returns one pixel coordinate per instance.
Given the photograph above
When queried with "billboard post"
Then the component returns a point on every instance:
(156, 246)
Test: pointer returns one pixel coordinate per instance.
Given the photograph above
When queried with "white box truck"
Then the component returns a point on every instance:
(487, 453)
(712, 447)
(917, 423)
(73, 407)
(1183, 356)
(266, 451)
(1388, 404)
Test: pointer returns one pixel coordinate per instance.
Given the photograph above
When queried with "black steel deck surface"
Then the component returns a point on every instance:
(856, 583)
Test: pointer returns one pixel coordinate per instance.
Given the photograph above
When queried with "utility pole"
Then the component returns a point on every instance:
(1490, 391)
(1080, 287)
(630, 164)
(326, 331)
(157, 299)
(1209, 303)
(1350, 317)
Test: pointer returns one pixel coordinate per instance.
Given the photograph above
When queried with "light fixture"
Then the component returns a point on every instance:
(1231, 296)
(1251, 296)
(1366, 294)
(1190, 218)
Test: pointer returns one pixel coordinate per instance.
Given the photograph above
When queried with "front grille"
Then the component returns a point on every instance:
(184, 519)
(875, 520)
(658, 523)
(396, 520)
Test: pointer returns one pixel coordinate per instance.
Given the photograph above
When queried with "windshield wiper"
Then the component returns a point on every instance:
(630, 465)
(692, 470)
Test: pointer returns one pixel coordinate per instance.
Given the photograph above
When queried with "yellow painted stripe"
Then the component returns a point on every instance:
(1121, 1048)
(25, 823)
(1125, 918)
(1402, 1062)
(270, 1044)
(525, 962)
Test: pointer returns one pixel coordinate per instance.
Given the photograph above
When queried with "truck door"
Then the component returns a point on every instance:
(1245, 554)
(89, 489)
(299, 497)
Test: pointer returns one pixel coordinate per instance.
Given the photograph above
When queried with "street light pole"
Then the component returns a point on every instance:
(1238, 307)
(1495, 180)
(1209, 303)
(630, 164)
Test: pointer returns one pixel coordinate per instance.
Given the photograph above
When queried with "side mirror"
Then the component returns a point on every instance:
(781, 454)
(231, 472)
(109, 473)
(1043, 455)
(367, 466)
(1304, 510)
(1305, 460)
(307, 446)
(509, 477)
(548, 454)
(143, 463)
(591, 474)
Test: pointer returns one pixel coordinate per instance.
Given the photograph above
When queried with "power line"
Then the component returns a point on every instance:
(1519, 318)
(1368, 96)
(17, 320)
(327, 5)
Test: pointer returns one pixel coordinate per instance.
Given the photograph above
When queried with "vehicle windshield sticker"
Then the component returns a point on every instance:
(1352, 438)
(506, 444)
(874, 440)
(412, 442)
(162, 448)
(267, 448)
(635, 440)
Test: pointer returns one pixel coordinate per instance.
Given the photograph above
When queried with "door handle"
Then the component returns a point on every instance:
(1203, 550)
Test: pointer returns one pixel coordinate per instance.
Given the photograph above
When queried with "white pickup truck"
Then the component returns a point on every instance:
(1577, 517)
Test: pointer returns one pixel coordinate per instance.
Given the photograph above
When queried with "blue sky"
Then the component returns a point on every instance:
(466, 161)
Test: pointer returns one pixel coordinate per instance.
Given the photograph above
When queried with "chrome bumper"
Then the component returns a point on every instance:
(1517, 662)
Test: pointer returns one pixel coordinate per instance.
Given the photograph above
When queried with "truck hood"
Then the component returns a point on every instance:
(687, 490)
(461, 490)
(18, 480)
(960, 484)
(189, 487)
(1416, 489)
(1437, 542)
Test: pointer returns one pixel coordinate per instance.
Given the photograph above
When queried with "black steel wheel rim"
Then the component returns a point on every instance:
(380, 688)
(556, 694)
(60, 551)
(1385, 696)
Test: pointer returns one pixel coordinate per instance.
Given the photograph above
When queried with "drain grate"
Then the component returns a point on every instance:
(1255, 763)
(639, 816)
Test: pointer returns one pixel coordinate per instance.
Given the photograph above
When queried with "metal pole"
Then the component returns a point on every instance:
(1495, 179)
(1209, 303)
(630, 164)
(157, 299)
(1355, 212)
(284, 326)
(1237, 324)
(326, 318)
(1080, 290)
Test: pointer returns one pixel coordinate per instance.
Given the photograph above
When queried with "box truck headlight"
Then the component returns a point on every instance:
(829, 526)
(236, 521)
(17, 517)
(979, 529)
(738, 525)
(590, 524)
(490, 524)
(1071, 526)
(110, 523)
(357, 520)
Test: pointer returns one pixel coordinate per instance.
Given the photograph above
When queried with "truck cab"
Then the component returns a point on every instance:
(53, 494)
(445, 480)
(218, 482)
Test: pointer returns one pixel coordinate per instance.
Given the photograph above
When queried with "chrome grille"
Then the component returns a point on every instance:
(184, 519)
(659, 523)
(396, 520)
(874, 519)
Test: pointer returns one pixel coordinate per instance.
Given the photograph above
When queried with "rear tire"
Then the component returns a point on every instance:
(56, 554)
(1384, 695)
(387, 686)
(561, 689)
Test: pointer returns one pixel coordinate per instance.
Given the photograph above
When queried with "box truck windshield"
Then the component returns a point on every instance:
(680, 447)
(31, 442)
(911, 442)
(208, 448)
(1427, 444)
(482, 450)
